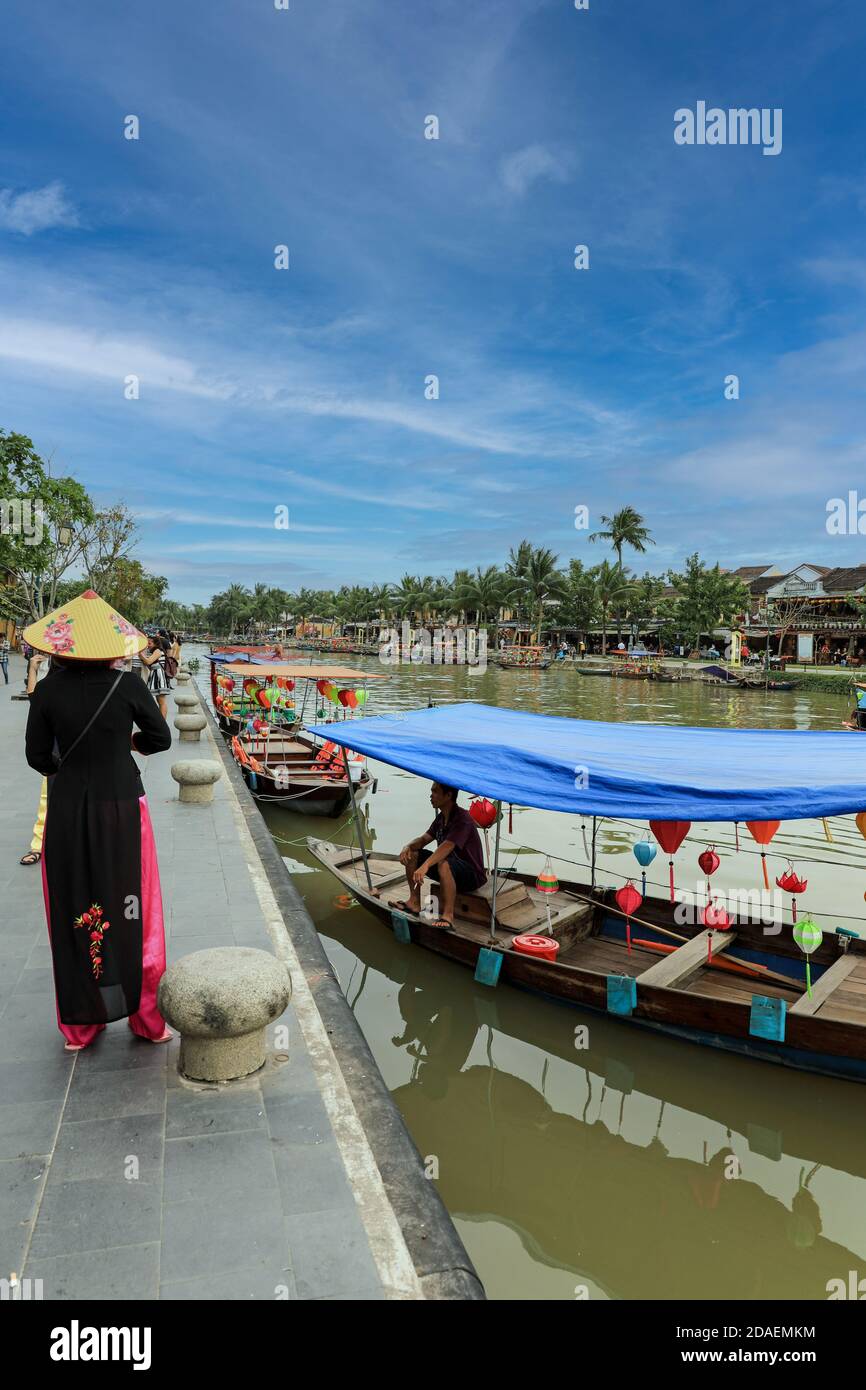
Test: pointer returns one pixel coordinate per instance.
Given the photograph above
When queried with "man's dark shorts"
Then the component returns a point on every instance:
(465, 877)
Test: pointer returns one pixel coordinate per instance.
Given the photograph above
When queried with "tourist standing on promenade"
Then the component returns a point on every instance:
(157, 679)
(99, 869)
(4, 657)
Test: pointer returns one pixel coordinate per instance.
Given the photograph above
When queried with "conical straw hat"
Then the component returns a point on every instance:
(85, 629)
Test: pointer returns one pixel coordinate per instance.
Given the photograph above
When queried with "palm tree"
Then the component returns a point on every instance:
(612, 588)
(541, 582)
(625, 527)
(485, 591)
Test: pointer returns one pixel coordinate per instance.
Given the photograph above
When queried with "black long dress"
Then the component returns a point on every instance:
(93, 835)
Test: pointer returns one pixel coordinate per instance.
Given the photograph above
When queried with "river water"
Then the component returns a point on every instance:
(604, 1171)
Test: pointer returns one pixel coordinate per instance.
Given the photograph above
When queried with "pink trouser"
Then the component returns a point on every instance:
(147, 1021)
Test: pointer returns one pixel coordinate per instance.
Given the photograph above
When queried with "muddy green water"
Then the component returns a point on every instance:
(600, 1171)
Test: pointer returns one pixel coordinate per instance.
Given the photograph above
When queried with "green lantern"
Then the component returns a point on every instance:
(808, 936)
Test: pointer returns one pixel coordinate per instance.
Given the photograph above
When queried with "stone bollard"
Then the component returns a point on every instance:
(220, 1001)
(182, 677)
(196, 780)
(189, 726)
(186, 699)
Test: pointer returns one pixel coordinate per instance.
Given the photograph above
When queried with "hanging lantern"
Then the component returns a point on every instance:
(351, 699)
(763, 831)
(860, 822)
(361, 696)
(708, 862)
(322, 686)
(483, 812)
(808, 936)
(628, 900)
(644, 852)
(714, 918)
(263, 699)
(790, 883)
(547, 883)
(670, 835)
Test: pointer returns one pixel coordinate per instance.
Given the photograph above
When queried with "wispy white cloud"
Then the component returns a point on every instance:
(36, 209)
(520, 170)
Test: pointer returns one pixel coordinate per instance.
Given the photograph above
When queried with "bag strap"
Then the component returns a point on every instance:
(92, 720)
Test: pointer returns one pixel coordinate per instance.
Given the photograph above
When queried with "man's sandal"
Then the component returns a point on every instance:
(443, 924)
(405, 906)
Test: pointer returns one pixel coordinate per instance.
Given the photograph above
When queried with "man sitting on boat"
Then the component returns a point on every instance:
(457, 863)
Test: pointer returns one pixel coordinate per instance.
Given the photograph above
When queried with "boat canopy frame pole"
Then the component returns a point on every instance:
(357, 819)
(495, 873)
(594, 830)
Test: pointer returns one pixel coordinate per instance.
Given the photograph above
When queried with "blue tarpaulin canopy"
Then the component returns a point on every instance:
(644, 771)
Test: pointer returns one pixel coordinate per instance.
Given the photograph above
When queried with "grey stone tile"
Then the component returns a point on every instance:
(128, 1273)
(180, 945)
(201, 1239)
(96, 1214)
(255, 1284)
(28, 1127)
(216, 1111)
(374, 1294)
(97, 1095)
(312, 1177)
(36, 981)
(289, 1078)
(101, 1148)
(300, 1119)
(13, 1246)
(330, 1254)
(20, 1186)
(218, 1167)
(40, 1078)
(119, 1048)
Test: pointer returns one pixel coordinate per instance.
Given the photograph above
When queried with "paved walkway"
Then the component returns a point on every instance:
(120, 1181)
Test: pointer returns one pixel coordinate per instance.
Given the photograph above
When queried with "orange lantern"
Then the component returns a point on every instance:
(762, 831)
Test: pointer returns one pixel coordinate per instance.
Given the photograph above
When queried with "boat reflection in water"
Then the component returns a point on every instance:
(608, 1162)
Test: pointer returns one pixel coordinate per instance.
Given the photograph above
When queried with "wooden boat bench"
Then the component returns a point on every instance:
(673, 969)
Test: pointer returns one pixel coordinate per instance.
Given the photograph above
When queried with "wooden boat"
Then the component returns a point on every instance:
(742, 989)
(677, 993)
(290, 771)
(524, 658)
(278, 763)
(735, 680)
(594, 670)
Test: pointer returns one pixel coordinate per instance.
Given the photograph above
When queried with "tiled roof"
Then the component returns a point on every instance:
(844, 581)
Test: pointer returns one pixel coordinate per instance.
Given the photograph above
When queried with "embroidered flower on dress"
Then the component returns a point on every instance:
(94, 918)
(59, 634)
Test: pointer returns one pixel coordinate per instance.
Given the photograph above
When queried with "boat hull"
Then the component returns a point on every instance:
(825, 1046)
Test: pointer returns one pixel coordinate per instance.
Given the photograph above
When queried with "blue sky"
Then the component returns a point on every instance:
(409, 257)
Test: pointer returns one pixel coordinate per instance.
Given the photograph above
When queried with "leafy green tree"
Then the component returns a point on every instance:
(708, 598)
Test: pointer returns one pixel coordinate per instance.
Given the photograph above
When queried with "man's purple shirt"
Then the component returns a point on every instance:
(462, 831)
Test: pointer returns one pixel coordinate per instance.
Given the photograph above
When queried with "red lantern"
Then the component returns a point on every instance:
(790, 883)
(343, 697)
(763, 831)
(670, 835)
(716, 919)
(351, 699)
(483, 812)
(709, 861)
(322, 686)
(628, 900)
